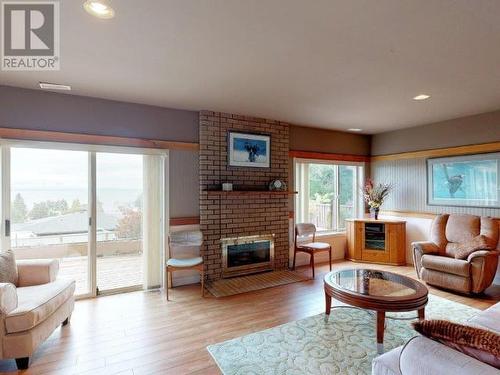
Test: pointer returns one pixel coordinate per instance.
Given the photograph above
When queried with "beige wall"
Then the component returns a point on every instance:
(409, 175)
(329, 141)
(42, 110)
(483, 128)
(184, 184)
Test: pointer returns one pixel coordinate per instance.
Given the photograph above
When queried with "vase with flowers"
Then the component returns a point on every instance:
(375, 194)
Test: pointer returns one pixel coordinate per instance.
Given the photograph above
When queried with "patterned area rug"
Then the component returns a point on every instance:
(344, 345)
(243, 284)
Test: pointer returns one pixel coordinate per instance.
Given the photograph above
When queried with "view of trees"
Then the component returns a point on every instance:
(19, 209)
(48, 208)
(322, 184)
(323, 191)
(129, 223)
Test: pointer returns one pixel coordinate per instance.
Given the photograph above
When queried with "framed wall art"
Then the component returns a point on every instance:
(468, 181)
(249, 150)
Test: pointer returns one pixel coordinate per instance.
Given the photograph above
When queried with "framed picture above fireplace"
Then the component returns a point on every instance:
(249, 150)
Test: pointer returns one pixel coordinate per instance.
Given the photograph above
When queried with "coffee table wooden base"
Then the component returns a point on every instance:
(380, 321)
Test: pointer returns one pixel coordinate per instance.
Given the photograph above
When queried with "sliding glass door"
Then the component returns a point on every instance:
(49, 209)
(98, 210)
(119, 221)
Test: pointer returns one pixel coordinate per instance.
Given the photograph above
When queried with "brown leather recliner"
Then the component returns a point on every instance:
(435, 260)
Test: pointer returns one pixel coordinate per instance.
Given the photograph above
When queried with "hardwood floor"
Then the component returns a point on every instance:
(141, 333)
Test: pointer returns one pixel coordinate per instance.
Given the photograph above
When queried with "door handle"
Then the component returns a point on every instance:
(7, 228)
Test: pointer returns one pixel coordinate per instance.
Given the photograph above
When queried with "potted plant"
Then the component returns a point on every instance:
(374, 195)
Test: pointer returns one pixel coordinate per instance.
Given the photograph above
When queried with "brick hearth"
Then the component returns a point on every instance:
(223, 216)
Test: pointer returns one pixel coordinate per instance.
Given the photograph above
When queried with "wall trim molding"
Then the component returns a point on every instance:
(420, 215)
(195, 220)
(191, 220)
(53, 136)
(449, 151)
(327, 156)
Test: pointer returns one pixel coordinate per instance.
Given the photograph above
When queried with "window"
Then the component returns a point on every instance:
(328, 193)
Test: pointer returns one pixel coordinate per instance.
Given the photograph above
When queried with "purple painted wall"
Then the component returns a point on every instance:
(40, 110)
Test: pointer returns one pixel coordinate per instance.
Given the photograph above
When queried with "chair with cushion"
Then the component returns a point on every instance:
(308, 231)
(461, 254)
(184, 242)
(33, 303)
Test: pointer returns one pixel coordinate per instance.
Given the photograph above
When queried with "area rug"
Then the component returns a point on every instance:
(243, 284)
(344, 345)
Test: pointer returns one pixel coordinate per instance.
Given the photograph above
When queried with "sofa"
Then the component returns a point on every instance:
(423, 356)
(33, 308)
(435, 260)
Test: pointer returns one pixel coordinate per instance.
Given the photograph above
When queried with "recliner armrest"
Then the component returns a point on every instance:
(419, 249)
(8, 298)
(483, 268)
(481, 253)
(426, 247)
(36, 271)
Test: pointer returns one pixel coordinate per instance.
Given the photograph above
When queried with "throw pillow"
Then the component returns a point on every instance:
(463, 250)
(476, 342)
(8, 267)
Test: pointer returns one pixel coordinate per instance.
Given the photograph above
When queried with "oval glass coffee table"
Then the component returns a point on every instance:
(375, 290)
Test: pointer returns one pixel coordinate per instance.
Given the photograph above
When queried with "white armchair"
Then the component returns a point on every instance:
(31, 310)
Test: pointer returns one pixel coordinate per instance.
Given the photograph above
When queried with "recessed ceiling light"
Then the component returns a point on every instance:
(421, 97)
(54, 86)
(355, 130)
(99, 9)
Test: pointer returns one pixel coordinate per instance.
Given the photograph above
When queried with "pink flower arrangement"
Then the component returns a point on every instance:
(375, 194)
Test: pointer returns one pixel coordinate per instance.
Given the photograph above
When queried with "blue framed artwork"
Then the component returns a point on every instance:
(468, 181)
(249, 150)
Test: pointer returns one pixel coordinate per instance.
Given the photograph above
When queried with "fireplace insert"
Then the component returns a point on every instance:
(245, 255)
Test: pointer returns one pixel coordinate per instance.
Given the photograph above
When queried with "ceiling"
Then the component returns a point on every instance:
(325, 63)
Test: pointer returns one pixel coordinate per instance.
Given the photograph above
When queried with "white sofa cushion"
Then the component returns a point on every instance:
(388, 363)
(37, 303)
(423, 356)
(489, 318)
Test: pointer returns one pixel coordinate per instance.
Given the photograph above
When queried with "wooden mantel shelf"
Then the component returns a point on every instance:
(250, 192)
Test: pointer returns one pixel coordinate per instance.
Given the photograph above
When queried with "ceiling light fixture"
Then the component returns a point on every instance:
(99, 9)
(421, 97)
(54, 86)
(355, 130)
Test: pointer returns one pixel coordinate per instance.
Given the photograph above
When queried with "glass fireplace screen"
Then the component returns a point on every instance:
(248, 253)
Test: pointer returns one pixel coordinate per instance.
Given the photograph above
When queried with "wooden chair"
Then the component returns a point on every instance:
(183, 264)
(307, 229)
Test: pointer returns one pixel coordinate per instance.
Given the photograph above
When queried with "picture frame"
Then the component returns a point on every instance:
(465, 181)
(249, 150)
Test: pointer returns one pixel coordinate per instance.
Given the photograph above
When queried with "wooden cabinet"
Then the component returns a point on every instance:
(376, 241)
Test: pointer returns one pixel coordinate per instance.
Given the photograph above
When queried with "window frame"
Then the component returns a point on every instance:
(301, 204)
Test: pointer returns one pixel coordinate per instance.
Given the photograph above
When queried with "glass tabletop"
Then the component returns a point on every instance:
(373, 283)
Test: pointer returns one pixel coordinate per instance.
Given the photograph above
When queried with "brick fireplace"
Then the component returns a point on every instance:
(232, 216)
